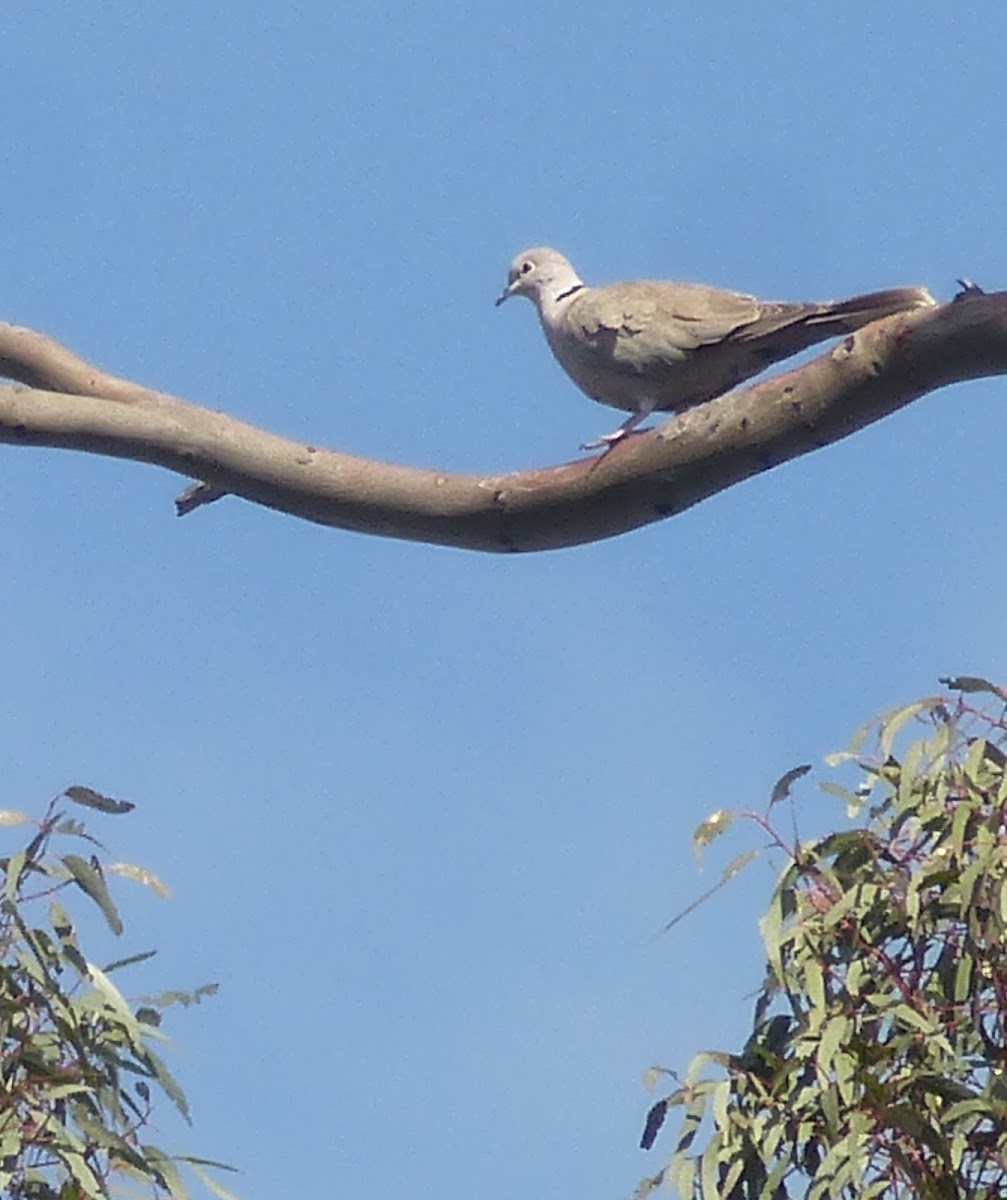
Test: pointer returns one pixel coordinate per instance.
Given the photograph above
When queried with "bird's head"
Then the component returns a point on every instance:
(541, 274)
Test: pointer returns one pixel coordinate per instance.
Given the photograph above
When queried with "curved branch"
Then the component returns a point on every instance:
(652, 475)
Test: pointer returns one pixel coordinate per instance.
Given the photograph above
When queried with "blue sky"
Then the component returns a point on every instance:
(424, 810)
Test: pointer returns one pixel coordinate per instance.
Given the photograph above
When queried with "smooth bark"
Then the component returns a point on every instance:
(69, 403)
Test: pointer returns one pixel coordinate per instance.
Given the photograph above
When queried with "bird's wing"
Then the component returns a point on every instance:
(646, 326)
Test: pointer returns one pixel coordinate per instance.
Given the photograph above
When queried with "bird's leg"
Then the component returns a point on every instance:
(608, 440)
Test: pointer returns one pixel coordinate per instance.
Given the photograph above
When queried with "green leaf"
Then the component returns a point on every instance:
(168, 1084)
(738, 864)
(72, 828)
(86, 1181)
(139, 875)
(834, 1173)
(709, 1171)
(91, 883)
(946, 1087)
(771, 929)
(64, 930)
(974, 763)
(971, 684)
(15, 867)
(682, 1173)
(853, 801)
(166, 999)
(653, 1076)
(61, 1091)
(646, 1186)
(166, 1168)
(959, 826)
(198, 1160)
(814, 982)
(781, 789)
(692, 1118)
(98, 1133)
(963, 979)
(907, 789)
(731, 1177)
(59, 919)
(10, 816)
(653, 1123)
(834, 1033)
(838, 757)
(206, 1179)
(89, 798)
(913, 1122)
(971, 1108)
(893, 720)
(719, 1104)
(829, 1099)
(128, 962)
(105, 995)
(908, 1015)
(714, 825)
(855, 745)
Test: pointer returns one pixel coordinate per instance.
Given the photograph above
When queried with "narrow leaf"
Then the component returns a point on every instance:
(164, 1166)
(140, 875)
(113, 999)
(91, 883)
(207, 1179)
(971, 683)
(168, 1084)
(198, 1160)
(892, 721)
(781, 788)
(653, 1075)
(89, 798)
(714, 825)
(655, 1119)
(128, 962)
(737, 864)
(648, 1185)
(854, 801)
(165, 999)
(64, 929)
(15, 866)
(710, 1171)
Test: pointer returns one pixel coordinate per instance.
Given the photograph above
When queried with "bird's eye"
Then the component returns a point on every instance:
(527, 266)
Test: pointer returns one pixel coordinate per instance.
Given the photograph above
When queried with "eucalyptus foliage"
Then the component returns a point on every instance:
(79, 1074)
(875, 1066)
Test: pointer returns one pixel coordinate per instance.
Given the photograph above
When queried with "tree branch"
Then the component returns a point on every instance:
(72, 405)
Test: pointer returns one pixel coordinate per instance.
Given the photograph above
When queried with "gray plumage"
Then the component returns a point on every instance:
(647, 346)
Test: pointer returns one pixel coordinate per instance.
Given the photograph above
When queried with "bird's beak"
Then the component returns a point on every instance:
(506, 293)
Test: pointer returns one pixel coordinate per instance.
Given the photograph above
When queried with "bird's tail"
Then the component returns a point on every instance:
(852, 314)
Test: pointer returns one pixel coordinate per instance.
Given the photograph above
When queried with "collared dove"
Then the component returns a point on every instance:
(645, 346)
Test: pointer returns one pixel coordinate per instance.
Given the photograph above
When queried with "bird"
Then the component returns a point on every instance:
(649, 346)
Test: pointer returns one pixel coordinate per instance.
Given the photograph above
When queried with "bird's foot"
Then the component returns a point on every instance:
(606, 441)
